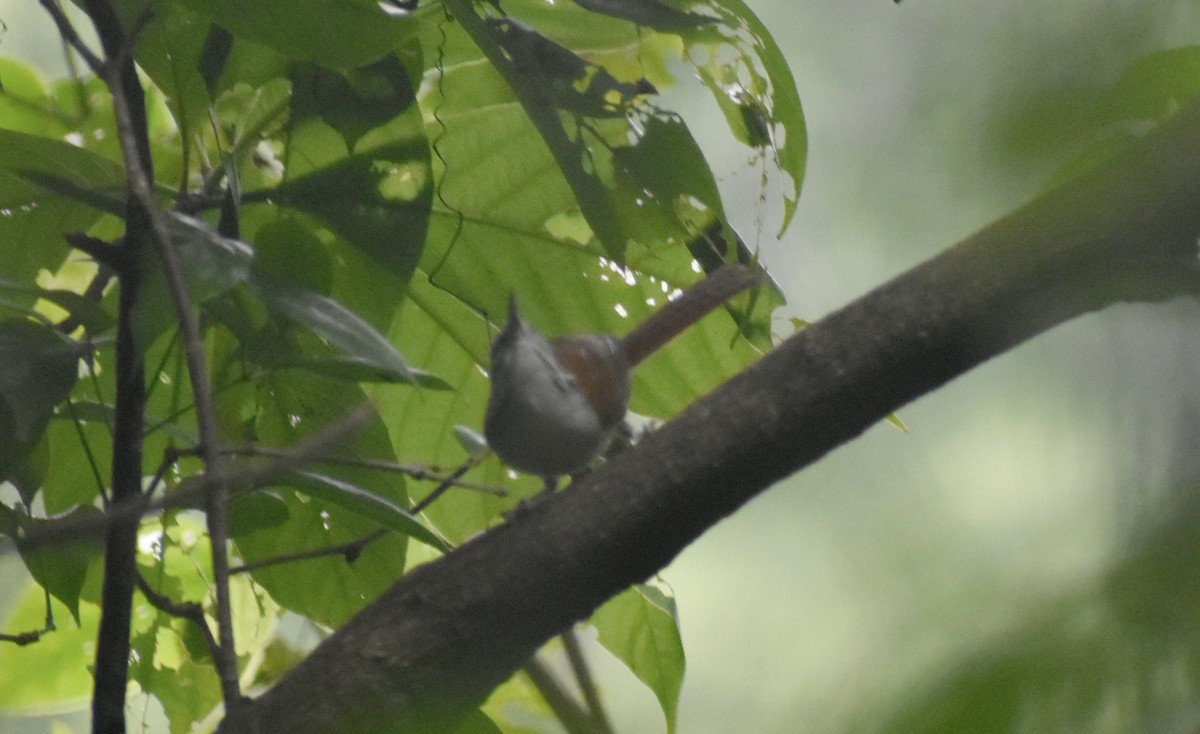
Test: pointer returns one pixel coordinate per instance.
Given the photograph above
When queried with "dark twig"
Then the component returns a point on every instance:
(573, 717)
(422, 473)
(350, 551)
(447, 483)
(244, 477)
(131, 131)
(28, 638)
(583, 676)
(120, 542)
(190, 611)
(68, 33)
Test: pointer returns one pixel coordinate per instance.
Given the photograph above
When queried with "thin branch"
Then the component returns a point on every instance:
(120, 544)
(423, 473)
(447, 483)
(190, 611)
(244, 476)
(573, 717)
(22, 639)
(68, 33)
(132, 133)
(583, 676)
(350, 551)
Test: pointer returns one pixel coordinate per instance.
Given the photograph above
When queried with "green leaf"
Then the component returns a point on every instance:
(478, 723)
(752, 84)
(361, 345)
(353, 102)
(91, 315)
(364, 502)
(1154, 86)
(376, 200)
(171, 50)
(286, 407)
(52, 674)
(337, 35)
(25, 104)
(38, 369)
(211, 263)
(63, 569)
(34, 218)
(640, 626)
(652, 13)
(214, 57)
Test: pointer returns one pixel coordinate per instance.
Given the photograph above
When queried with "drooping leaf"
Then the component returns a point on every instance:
(62, 570)
(212, 265)
(641, 627)
(38, 369)
(213, 58)
(359, 343)
(363, 502)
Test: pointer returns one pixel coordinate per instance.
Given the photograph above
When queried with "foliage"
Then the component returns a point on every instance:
(335, 206)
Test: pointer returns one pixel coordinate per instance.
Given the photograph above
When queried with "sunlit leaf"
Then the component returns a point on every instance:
(51, 675)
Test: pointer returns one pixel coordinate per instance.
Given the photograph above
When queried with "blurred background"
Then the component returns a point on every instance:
(1018, 561)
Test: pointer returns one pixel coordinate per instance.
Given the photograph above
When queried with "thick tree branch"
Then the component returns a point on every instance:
(433, 647)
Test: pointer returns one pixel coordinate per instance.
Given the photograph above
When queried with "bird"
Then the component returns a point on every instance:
(556, 404)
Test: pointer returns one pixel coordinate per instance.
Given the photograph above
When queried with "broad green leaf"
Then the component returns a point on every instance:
(641, 627)
(377, 200)
(34, 218)
(170, 50)
(571, 104)
(337, 35)
(290, 251)
(283, 408)
(1154, 86)
(478, 723)
(51, 675)
(353, 102)
(71, 479)
(25, 104)
(91, 315)
(652, 13)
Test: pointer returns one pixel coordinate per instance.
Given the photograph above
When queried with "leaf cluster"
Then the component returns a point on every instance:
(336, 205)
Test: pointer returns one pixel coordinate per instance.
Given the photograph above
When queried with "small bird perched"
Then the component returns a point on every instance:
(556, 403)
